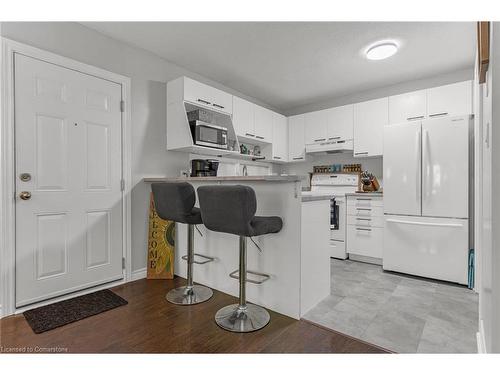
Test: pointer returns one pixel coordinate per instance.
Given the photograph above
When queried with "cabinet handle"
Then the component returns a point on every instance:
(364, 219)
(203, 101)
(363, 209)
(218, 106)
(364, 229)
(363, 199)
(333, 137)
(298, 158)
(320, 140)
(361, 153)
(415, 118)
(438, 114)
(259, 137)
(277, 157)
(249, 135)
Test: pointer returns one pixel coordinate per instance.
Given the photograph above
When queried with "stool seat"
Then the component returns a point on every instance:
(231, 209)
(175, 201)
(265, 224)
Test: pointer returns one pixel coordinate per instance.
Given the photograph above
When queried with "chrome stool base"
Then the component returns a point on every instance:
(189, 296)
(248, 319)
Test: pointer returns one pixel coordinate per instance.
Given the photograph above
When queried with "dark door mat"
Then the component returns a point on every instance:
(58, 314)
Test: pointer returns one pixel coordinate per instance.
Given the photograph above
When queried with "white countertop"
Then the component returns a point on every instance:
(368, 194)
(266, 178)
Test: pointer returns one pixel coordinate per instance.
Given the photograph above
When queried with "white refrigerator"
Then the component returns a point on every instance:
(426, 198)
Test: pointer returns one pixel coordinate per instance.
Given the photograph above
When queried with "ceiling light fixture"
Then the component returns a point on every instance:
(381, 50)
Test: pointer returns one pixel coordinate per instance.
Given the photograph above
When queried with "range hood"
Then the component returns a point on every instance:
(330, 147)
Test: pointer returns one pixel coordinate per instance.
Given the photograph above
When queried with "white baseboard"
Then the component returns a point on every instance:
(139, 274)
(481, 345)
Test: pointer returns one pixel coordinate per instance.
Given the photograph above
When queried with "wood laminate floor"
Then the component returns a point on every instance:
(149, 324)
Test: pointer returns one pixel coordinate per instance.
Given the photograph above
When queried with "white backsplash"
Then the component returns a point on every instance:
(373, 165)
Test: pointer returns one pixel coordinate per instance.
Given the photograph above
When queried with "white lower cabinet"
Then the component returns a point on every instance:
(365, 228)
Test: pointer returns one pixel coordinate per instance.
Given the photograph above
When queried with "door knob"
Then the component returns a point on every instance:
(25, 195)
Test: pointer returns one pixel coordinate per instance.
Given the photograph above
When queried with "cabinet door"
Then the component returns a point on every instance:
(296, 145)
(207, 96)
(315, 123)
(453, 100)
(340, 123)
(243, 117)
(263, 124)
(280, 138)
(408, 107)
(369, 120)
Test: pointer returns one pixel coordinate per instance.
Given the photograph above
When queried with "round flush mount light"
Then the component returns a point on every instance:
(381, 50)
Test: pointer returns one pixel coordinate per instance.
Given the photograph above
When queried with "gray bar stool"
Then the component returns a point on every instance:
(231, 209)
(175, 201)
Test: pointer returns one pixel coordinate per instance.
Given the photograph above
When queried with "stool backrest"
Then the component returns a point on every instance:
(228, 208)
(173, 200)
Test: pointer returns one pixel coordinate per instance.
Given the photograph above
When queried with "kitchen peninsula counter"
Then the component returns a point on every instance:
(297, 258)
(268, 178)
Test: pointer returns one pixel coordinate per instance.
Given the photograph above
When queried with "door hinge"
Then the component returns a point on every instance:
(122, 184)
(122, 106)
(123, 263)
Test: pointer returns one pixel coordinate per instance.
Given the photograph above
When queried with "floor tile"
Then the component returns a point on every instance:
(395, 330)
(440, 336)
(399, 312)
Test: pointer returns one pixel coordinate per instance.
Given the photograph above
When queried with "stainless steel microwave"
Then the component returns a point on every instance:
(209, 135)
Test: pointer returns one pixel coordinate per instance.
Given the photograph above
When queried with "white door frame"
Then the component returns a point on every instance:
(7, 162)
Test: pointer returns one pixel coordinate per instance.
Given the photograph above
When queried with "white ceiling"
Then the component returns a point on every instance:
(287, 65)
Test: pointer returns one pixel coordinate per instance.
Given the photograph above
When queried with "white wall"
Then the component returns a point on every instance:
(495, 181)
(149, 74)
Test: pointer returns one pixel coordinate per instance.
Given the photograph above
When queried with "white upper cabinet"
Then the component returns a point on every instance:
(280, 138)
(454, 99)
(340, 123)
(296, 141)
(315, 125)
(408, 107)
(369, 120)
(207, 96)
(263, 124)
(449, 100)
(243, 117)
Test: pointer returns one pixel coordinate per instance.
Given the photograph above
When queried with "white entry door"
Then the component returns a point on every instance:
(69, 171)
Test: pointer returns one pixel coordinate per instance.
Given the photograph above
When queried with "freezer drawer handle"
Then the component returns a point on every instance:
(415, 118)
(364, 229)
(425, 224)
(438, 114)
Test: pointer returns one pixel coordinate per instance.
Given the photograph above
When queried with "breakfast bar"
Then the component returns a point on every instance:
(297, 257)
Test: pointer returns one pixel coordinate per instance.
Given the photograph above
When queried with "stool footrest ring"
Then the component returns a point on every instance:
(263, 276)
(207, 258)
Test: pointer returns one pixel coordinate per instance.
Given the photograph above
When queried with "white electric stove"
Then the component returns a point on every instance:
(338, 185)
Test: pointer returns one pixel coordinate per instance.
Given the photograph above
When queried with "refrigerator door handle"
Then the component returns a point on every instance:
(426, 165)
(417, 169)
(453, 225)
